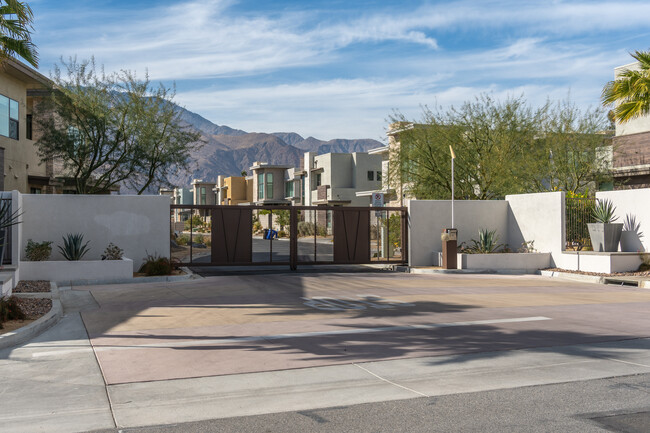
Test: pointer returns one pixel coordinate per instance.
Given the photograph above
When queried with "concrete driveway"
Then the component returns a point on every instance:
(254, 323)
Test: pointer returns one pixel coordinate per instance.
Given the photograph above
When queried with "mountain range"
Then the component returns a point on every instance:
(227, 151)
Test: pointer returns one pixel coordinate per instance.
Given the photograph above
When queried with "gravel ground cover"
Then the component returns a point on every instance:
(32, 287)
(599, 274)
(33, 309)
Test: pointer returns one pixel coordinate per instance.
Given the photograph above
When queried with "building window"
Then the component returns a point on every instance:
(318, 180)
(288, 187)
(203, 195)
(33, 190)
(379, 176)
(371, 175)
(9, 115)
(302, 189)
(260, 186)
(28, 127)
(269, 185)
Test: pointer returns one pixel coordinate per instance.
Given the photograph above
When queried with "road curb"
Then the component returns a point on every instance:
(472, 271)
(35, 328)
(575, 277)
(135, 280)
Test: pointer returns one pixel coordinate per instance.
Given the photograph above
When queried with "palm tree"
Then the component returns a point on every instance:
(15, 32)
(631, 90)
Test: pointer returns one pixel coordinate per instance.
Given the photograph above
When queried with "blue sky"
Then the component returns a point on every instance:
(337, 69)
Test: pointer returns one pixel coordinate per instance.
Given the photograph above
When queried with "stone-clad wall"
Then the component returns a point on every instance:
(632, 150)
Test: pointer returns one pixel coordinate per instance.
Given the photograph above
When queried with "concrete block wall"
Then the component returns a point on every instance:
(137, 224)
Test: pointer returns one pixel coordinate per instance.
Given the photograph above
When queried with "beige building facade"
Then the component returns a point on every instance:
(234, 190)
(20, 87)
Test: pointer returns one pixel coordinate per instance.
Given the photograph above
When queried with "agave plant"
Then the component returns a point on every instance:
(604, 211)
(73, 247)
(632, 225)
(8, 218)
(487, 242)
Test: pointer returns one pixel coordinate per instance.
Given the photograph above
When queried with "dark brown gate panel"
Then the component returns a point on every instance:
(232, 238)
(351, 236)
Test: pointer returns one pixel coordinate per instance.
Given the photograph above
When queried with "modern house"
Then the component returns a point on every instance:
(234, 190)
(392, 185)
(334, 179)
(20, 87)
(203, 194)
(631, 148)
(269, 184)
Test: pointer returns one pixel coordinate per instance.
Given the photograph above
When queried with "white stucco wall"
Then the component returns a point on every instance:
(537, 217)
(635, 202)
(427, 219)
(137, 224)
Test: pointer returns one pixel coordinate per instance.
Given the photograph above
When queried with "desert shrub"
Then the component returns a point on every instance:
(305, 228)
(207, 241)
(527, 247)
(283, 218)
(645, 266)
(194, 222)
(112, 252)
(322, 230)
(10, 310)
(73, 247)
(38, 251)
(282, 234)
(198, 239)
(487, 243)
(257, 226)
(183, 239)
(157, 265)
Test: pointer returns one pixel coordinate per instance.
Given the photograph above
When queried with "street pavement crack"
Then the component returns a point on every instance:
(391, 382)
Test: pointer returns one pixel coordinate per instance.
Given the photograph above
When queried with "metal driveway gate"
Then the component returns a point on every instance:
(207, 235)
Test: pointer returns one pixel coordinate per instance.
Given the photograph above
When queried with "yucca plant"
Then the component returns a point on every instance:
(487, 242)
(604, 211)
(73, 247)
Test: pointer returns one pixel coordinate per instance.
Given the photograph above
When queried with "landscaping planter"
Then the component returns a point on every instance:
(528, 262)
(89, 270)
(605, 237)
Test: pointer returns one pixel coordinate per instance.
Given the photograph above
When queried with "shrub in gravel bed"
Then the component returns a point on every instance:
(38, 251)
(10, 309)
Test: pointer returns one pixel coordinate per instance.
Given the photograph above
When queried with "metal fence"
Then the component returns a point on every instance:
(578, 215)
(216, 235)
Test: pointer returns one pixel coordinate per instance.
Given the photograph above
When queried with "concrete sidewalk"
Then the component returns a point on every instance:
(54, 384)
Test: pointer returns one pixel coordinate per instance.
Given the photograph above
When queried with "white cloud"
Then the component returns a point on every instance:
(542, 49)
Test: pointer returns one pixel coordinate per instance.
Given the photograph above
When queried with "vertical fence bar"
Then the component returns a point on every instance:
(578, 215)
(293, 239)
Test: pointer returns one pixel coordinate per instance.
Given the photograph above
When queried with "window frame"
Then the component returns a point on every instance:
(260, 186)
(12, 120)
(269, 185)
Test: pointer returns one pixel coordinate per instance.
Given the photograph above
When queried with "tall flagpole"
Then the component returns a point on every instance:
(453, 157)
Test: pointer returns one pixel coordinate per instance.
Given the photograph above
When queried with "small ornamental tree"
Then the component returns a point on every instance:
(113, 129)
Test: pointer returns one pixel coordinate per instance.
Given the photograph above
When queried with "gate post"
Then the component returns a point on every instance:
(293, 238)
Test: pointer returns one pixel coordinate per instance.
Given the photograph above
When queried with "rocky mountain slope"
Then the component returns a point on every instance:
(228, 151)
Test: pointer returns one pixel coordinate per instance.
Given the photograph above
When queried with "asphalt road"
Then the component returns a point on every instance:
(619, 404)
